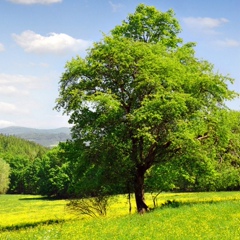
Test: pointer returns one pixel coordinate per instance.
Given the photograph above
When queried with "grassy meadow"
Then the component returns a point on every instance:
(214, 215)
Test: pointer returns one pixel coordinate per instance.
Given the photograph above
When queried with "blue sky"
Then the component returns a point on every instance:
(39, 36)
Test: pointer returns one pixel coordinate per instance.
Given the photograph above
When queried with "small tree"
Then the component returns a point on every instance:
(140, 97)
(92, 207)
(4, 176)
(161, 178)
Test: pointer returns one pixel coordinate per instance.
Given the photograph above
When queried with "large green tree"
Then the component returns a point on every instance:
(140, 97)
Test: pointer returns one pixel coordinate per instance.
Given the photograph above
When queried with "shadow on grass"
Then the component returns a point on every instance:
(30, 225)
(40, 199)
(176, 204)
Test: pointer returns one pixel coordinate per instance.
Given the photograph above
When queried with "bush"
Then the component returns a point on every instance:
(93, 207)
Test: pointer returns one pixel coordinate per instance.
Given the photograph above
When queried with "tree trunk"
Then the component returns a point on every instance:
(139, 191)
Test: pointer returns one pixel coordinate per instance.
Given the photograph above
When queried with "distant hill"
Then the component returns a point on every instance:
(44, 137)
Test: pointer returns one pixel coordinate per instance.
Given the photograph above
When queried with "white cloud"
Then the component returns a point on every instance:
(19, 94)
(7, 78)
(7, 107)
(205, 24)
(19, 80)
(28, 2)
(10, 108)
(54, 43)
(22, 97)
(2, 47)
(4, 124)
(115, 7)
(229, 43)
(10, 90)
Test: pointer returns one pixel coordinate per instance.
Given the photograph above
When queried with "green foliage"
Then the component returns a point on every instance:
(212, 165)
(148, 24)
(88, 179)
(21, 155)
(11, 146)
(35, 169)
(228, 154)
(140, 98)
(4, 176)
(19, 166)
(53, 175)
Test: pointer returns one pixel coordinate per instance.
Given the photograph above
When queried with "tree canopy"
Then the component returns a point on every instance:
(140, 98)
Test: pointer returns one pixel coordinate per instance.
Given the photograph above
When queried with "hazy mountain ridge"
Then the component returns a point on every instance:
(44, 137)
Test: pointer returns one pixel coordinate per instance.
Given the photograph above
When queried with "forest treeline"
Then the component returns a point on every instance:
(17, 156)
(64, 172)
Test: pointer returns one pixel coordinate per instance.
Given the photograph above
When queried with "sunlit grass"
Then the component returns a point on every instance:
(18, 210)
(215, 216)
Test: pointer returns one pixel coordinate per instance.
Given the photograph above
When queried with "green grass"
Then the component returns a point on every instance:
(21, 210)
(198, 216)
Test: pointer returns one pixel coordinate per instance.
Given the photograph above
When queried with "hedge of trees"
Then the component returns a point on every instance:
(65, 172)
